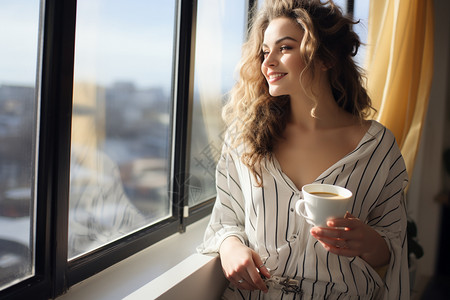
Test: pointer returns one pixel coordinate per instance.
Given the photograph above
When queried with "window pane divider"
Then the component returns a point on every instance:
(54, 152)
(183, 95)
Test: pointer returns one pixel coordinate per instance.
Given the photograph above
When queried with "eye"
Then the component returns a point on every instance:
(285, 48)
(264, 53)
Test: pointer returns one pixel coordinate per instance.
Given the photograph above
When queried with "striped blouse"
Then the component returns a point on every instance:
(264, 218)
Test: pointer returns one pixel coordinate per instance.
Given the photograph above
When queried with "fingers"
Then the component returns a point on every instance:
(336, 242)
(347, 221)
(249, 280)
(349, 236)
(242, 266)
(260, 265)
(243, 281)
(345, 236)
(247, 274)
(336, 233)
(340, 245)
(341, 250)
(255, 272)
(349, 215)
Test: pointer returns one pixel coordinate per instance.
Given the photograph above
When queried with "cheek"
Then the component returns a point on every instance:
(294, 64)
(263, 70)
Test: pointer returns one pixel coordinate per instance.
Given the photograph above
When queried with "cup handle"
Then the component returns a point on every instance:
(300, 209)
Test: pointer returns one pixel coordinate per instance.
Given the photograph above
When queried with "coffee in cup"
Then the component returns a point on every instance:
(321, 202)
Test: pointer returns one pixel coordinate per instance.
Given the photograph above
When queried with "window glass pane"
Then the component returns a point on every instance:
(220, 33)
(361, 13)
(342, 4)
(121, 123)
(260, 3)
(19, 30)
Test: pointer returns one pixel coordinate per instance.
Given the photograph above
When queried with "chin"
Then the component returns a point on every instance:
(275, 92)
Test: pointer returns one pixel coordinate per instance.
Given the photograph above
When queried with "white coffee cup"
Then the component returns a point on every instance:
(321, 202)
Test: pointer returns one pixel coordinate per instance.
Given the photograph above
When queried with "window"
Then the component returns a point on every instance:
(121, 120)
(110, 129)
(343, 4)
(360, 11)
(98, 100)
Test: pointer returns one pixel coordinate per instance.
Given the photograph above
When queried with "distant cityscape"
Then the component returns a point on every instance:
(17, 124)
(136, 127)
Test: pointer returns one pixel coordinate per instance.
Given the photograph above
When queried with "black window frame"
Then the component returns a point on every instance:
(54, 274)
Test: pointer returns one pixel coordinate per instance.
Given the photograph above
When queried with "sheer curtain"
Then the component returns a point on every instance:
(399, 65)
(220, 30)
(210, 54)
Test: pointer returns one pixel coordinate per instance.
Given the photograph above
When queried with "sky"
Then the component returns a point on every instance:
(125, 41)
(19, 21)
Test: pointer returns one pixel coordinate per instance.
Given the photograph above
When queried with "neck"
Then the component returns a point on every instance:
(321, 111)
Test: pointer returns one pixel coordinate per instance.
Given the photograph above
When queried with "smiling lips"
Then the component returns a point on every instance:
(272, 77)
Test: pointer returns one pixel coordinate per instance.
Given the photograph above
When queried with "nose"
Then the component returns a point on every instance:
(270, 60)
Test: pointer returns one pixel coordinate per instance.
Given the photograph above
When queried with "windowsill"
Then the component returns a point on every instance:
(138, 271)
(197, 277)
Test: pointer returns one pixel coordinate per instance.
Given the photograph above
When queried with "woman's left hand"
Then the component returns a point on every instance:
(349, 236)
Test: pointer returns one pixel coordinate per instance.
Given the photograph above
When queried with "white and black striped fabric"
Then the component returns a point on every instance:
(264, 218)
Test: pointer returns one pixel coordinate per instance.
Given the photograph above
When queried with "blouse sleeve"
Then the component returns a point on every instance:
(228, 217)
(389, 219)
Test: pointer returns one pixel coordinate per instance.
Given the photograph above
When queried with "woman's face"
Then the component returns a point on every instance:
(282, 63)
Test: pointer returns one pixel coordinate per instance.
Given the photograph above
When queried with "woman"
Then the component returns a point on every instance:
(297, 116)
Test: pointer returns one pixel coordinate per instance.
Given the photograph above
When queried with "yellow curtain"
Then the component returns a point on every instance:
(399, 65)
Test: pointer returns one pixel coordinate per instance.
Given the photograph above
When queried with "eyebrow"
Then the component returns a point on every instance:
(281, 40)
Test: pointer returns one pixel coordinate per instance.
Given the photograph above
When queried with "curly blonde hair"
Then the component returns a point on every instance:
(257, 120)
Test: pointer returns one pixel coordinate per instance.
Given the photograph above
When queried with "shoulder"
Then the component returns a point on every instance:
(381, 145)
(388, 145)
(381, 133)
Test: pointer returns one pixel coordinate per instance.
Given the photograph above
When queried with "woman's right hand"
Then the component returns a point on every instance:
(242, 266)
